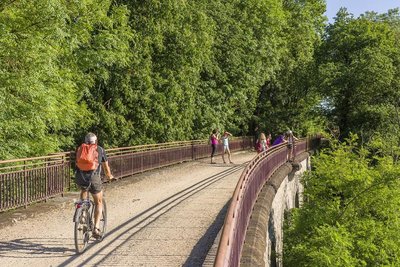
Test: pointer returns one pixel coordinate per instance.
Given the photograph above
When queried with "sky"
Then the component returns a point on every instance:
(357, 7)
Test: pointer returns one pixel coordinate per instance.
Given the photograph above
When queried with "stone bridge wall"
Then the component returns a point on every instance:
(283, 191)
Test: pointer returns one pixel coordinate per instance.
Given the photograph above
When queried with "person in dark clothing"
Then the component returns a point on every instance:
(214, 138)
(278, 140)
(290, 140)
(90, 158)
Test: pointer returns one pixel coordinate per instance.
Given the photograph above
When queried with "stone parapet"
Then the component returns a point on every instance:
(264, 236)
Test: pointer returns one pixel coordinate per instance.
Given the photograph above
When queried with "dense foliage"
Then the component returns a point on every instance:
(290, 98)
(359, 67)
(139, 72)
(54, 55)
(151, 71)
(351, 213)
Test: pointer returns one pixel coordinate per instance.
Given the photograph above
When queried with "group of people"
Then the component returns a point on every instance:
(264, 142)
(214, 140)
(91, 158)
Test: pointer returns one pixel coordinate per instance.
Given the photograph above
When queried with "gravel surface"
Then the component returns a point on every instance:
(165, 217)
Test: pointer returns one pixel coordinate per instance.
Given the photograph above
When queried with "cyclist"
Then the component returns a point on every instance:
(89, 159)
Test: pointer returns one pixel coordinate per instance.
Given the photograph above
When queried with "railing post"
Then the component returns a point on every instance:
(192, 150)
(141, 161)
(307, 148)
(46, 179)
(25, 186)
(63, 166)
(71, 166)
(68, 166)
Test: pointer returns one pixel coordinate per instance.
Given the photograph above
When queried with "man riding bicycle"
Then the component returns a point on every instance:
(87, 176)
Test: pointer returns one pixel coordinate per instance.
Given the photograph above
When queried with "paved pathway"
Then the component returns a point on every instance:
(166, 217)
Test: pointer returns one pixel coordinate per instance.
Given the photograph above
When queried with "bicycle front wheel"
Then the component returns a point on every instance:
(82, 231)
(103, 221)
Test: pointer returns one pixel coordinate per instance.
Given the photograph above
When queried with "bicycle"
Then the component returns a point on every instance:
(84, 222)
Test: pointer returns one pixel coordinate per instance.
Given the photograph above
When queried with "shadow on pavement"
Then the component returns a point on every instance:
(34, 247)
(200, 250)
(153, 213)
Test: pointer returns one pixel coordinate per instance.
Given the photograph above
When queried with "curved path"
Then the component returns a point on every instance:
(165, 217)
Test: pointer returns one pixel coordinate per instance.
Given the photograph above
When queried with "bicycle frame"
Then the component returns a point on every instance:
(85, 224)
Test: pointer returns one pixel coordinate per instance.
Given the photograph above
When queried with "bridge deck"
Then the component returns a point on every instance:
(166, 217)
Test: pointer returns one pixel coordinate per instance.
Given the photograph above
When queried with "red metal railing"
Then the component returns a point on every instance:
(24, 181)
(257, 172)
(131, 160)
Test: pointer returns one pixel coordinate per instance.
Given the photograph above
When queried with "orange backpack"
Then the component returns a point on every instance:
(87, 157)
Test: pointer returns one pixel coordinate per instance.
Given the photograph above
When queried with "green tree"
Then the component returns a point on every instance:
(139, 72)
(290, 97)
(350, 216)
(358, 70)
(37, 96)
(99, 48)
(53, 55)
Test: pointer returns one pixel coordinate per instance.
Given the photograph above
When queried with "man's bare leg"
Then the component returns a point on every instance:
(98, 201)
(83, 194)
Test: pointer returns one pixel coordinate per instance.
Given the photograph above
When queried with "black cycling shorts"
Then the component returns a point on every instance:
(84, 179)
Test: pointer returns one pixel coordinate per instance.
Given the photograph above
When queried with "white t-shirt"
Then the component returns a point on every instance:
(225, 140)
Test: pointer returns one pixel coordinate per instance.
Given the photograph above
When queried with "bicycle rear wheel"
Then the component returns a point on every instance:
(82, 231)
(103, 221)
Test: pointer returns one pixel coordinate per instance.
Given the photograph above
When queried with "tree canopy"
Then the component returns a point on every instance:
(359, 73)
(139, 72)
(350, 214)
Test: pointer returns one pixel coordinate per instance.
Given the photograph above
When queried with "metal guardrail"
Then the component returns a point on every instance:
(254, 176)
(129, 161)
(28, 180)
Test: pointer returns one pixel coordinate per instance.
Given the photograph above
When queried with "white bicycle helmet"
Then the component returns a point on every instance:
(90, 138)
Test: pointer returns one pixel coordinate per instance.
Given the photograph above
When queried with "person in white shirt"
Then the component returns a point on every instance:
(225, 142)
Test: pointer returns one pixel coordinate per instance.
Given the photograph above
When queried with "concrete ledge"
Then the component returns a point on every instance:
(256, 235)
(299, 158)
(255, 243)
(297, 161)
(279, 175)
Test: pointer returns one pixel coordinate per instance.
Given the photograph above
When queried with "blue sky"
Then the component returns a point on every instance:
(357, 7)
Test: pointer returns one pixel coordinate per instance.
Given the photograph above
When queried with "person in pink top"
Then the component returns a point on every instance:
(214, 137)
